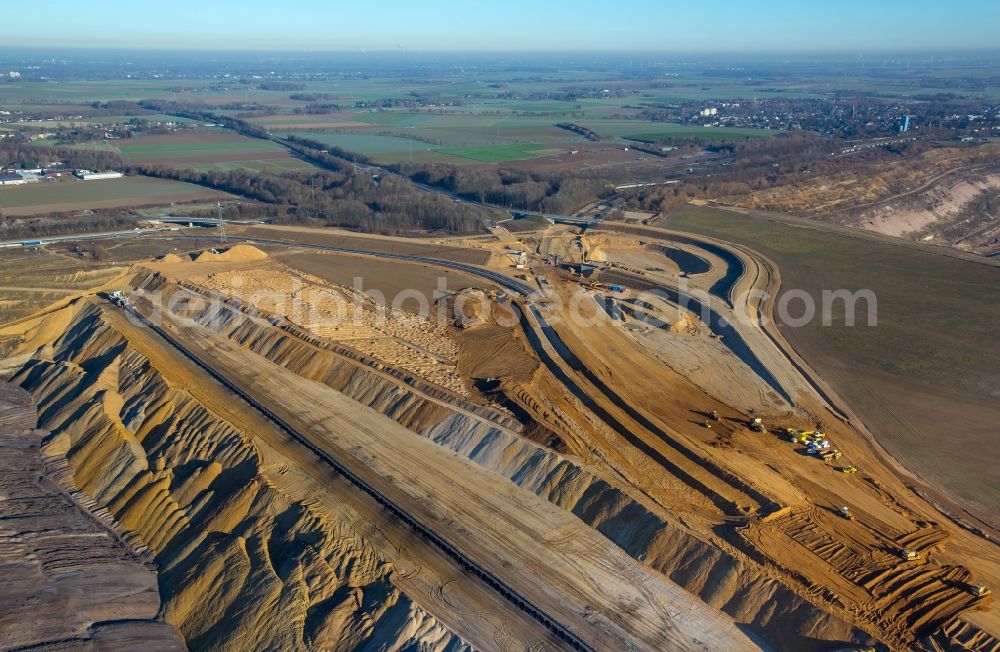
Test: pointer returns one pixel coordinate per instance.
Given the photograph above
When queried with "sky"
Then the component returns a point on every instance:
(509, 25)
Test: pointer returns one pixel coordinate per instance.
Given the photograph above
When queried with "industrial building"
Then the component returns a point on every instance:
(11, 180)
(87, 175)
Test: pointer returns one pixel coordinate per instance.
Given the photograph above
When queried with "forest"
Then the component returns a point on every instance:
(348, 200)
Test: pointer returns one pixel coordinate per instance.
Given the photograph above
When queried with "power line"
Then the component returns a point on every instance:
(222, 225)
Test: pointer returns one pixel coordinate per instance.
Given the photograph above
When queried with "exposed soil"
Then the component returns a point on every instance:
(560, 456)
(401, 283)
(71, 578)
(370, 242)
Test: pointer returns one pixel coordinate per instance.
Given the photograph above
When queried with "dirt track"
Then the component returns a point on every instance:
(557, 581)
(889, 508)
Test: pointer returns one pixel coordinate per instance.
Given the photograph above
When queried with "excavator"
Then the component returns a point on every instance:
(979, 590)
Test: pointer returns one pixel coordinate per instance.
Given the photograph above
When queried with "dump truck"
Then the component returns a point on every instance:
(757, 425)
(846, 513)
(909, 554)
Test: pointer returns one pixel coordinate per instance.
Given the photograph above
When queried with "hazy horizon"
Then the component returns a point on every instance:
(517, 26)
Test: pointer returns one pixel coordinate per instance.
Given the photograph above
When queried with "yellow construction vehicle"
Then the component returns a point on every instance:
(796, 437)
(847, 470)
(909, 554)
(757, 424)
(846, 513)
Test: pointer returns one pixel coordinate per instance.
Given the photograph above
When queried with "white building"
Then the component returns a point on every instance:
(87, 175)
(11, 180)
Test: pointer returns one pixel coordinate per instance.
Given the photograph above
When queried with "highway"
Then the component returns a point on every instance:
(100, 235)
(463, 560)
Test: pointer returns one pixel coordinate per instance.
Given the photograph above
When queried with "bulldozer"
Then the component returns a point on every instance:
(847, 470)
(757, 424)
(826, 455)
(909, 554)
(846, 513)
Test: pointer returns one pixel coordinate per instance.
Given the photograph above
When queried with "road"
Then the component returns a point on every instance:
(100, 235)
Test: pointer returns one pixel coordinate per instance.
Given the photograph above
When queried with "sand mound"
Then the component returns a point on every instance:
(239, 254)
(171, 258)
(684, 325)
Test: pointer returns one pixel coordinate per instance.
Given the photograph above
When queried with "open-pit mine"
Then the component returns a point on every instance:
(584, 439)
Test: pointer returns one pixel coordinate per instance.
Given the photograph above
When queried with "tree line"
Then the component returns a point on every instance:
(25, 156)
(355, 201)
(559, 192)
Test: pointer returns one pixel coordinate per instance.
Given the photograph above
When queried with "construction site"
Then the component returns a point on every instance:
(589, 438)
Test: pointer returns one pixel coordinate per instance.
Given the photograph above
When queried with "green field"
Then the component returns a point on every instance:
(210, 150)
(643, 130)
(70, 195)
(394, 149)
(268, 166)
(926, 378)
(139, 148)
(703, 133)
(499, 153)
(364, 143)
(460, 134)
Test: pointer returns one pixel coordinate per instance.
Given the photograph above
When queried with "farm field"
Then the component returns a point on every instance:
(27, 94)
(323, 121)
(71, 195)
(651, 131)
(470, 92)
(924, 379)
(363, 143)
(209, 151)
(500, 153)
(461, 138)
(394, 149)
